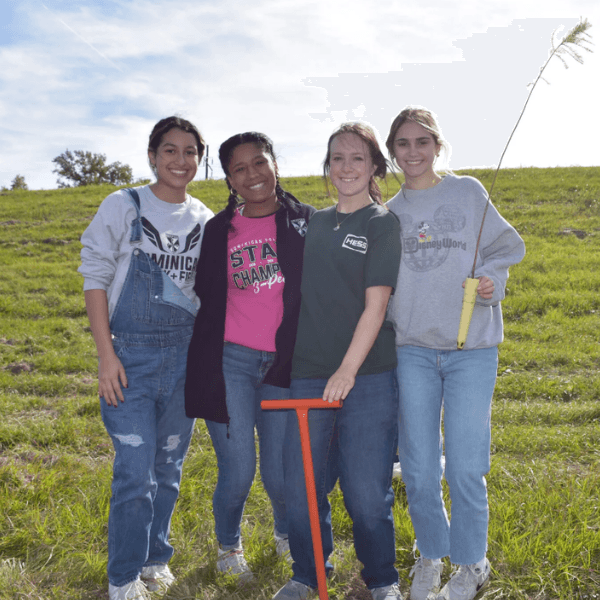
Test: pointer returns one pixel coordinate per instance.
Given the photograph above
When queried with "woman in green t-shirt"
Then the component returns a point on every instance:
(345, 351)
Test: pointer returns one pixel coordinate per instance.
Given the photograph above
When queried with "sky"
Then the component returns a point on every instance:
(96, 75)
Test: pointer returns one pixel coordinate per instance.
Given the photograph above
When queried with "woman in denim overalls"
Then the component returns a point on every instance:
(139, 260)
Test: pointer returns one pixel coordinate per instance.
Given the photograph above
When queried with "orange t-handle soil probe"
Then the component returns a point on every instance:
(302, 407)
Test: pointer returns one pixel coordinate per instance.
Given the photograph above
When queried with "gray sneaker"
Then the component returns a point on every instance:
(466, 583)
(294, 590)
(388, 592)
(158, 578)
(282, 546)
(427, 578)
(232, 562)
(134, 590)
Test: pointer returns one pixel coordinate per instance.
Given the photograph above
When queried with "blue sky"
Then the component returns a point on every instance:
(96, 75)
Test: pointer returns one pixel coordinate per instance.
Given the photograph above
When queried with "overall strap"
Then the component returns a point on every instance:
(136, 225)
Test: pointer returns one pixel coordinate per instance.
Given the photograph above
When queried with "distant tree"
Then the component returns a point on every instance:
(79, 168)
(18, 183)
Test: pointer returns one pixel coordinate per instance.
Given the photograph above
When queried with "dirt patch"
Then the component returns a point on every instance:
(357, 591)
(20, 367)
(55, 242)
(576, 232)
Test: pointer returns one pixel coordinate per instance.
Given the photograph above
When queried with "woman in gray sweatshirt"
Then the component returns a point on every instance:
(440, 220)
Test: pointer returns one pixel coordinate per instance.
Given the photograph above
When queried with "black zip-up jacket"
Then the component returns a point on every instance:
(205, 384)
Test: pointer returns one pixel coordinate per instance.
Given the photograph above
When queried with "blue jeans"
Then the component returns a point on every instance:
(244, 370)
(357, 444)
(152, 329)
(462, 383)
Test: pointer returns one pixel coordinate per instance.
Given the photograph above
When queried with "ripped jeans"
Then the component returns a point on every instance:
(150, 431)
(151, 436)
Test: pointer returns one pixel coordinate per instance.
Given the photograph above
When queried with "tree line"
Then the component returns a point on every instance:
(77, 168)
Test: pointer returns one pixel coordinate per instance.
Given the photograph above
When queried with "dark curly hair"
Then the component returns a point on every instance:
(264, 143)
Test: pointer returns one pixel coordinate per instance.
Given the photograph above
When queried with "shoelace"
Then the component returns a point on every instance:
(423, 571)
(230, 554)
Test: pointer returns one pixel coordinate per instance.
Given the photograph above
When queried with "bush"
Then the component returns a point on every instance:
(18, 183)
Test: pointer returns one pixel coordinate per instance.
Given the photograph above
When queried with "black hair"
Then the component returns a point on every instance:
(264, 143)
(165, 125)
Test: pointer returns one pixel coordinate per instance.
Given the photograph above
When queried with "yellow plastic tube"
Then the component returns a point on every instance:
(467, 311)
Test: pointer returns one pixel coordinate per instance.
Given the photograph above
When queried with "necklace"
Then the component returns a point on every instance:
(346, 216)
(336, 228)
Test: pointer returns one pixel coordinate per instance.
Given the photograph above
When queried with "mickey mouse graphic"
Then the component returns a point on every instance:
(423, 237)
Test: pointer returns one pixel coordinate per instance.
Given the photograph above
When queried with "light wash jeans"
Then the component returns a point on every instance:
(462, 383)
(244, 370)
(152, 329)
(356, 443)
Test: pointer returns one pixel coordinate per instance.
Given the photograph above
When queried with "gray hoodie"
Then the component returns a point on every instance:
(439, 229)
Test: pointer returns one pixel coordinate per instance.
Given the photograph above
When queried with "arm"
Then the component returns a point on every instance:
(501, 247)
(111, 374)
(365, 334)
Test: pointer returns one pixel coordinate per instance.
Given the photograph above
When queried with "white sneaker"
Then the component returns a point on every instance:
(427, 578)
(466, 583)
(282, 546)
(134, 590)
(158, 578)
(388, 592)
(232, 562)
(294, 590)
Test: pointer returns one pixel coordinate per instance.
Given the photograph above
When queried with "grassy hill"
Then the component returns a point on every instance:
(55, 456)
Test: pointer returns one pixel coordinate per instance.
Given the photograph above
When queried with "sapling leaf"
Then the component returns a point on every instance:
(577, 37)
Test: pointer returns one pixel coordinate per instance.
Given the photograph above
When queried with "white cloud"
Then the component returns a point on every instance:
(97, 76)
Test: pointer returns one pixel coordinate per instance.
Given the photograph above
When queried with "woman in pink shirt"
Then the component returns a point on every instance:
(248, 282)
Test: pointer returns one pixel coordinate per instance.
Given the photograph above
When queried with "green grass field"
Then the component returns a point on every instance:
(55, 456)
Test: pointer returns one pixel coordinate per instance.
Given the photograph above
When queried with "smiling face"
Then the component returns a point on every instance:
(253, 174)
(350, 168)
(175, 163)
(415, 152)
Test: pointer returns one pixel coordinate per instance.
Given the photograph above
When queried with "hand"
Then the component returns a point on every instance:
(485, 288)
(338, 386)
(111, 376)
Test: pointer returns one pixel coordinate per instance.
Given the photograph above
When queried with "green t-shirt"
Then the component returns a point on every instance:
(338, 268)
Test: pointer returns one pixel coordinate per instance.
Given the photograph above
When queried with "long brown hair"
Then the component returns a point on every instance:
(367, 135)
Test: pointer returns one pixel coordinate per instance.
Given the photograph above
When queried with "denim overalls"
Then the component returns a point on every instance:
(151, 328)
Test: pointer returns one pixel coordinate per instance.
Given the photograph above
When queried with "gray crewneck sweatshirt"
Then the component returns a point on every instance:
(172, 235)
(439, 229)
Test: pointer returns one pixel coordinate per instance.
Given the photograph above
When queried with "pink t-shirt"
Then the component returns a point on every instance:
(254, 283)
